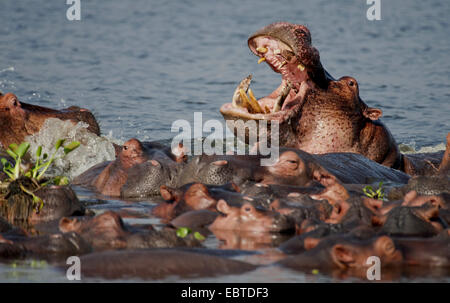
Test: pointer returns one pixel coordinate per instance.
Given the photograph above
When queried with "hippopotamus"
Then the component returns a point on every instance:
(158, 264)
(428, 164)
(55, 246)
(133, 176)
(293, 167)
(19, 120)
(233, 215)
(247, 217)
(344, 252)
(431, 181)
(138, 163)
(107, 231)
(315, 112)
(198, 196)
(413, 221)
(433, 252)
(317, 210)
(58, 201)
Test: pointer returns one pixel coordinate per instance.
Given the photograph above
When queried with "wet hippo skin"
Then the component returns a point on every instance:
(158, 264)
(18, 119)
(307, 95)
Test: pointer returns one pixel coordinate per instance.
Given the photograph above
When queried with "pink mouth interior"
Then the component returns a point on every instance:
(286, 65)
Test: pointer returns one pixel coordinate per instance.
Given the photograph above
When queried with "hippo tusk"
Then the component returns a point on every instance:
(283, 94)
(245, 100)
(254, 102)
(245, 84)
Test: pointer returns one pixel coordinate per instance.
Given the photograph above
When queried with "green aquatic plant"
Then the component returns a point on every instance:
(36, 171)
(43, 162)
(374, 194)
(182, 232)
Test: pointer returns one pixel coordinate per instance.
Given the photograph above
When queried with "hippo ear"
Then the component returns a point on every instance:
(324, 177)
(166, 193)
(180, 153)
(220, 163)
(223, 207)
(154, 163)
(373, 113)
(68, 225)
(342, 255)
(310, 243)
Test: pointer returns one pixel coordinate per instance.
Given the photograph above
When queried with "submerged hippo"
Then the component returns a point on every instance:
(107, 231)
(58, 201)
(159, 264)
(317, 113)
(135, 162)
(133, 175)
(18, 119)
(343, 252)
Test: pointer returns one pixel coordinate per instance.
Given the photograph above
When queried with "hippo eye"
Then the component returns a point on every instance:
(247, 209)
(125, 147)
(351, 83)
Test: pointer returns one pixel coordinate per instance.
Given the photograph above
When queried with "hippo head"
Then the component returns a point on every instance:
(314, 112)
(247, 217)
(145, 179)
(344, 253)
(413, 221)
(18, 119)
(132, 153)
(293, 167)
(13, 118)
(287, 49)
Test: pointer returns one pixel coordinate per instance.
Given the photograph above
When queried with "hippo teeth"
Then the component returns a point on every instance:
(261, 50)
(240, 98)
(244, 85)
(282, 97)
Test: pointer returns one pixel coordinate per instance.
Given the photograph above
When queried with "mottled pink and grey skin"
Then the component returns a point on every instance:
(108, 178)
(320, 114)
(114, 176)
(19, 119)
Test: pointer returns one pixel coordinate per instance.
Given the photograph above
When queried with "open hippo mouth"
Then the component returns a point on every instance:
(287, 49)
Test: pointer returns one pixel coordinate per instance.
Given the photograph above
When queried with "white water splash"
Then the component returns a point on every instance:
(93, 149)
(410, 148)
(8, 69)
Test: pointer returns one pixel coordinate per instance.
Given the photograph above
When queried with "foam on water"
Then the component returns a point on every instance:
(93, 149)
(410, 148)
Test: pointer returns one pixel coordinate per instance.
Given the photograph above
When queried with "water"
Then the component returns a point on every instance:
(140, 65)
